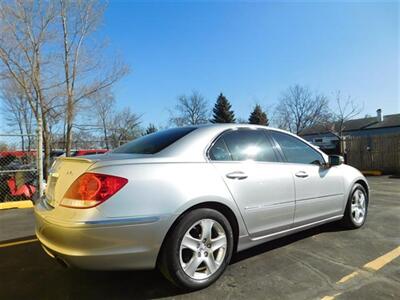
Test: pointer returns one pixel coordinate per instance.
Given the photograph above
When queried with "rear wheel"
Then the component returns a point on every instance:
(198, 249)
(357, 208)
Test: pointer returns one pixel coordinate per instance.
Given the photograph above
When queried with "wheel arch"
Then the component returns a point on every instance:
(364, 185)
(218, 206)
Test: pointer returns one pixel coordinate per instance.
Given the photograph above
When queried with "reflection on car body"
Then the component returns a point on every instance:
(185, 199)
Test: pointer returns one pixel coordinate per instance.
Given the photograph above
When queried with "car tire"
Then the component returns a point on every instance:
(188, 245)
(355, 207)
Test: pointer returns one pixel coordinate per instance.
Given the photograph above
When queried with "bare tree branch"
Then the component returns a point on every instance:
(299, 109)
(79, 19)
(190, 110)
(344, 109)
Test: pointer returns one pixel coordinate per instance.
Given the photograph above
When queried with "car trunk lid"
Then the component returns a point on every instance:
(62, 174)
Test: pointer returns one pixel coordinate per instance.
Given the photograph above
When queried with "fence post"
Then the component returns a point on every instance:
(40, 156)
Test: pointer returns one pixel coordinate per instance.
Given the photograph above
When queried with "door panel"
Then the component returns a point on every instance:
(264, 194)
(319, 190)
(319, 195)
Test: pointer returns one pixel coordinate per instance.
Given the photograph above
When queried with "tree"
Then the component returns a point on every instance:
(17, 112)
(86, 72)
(26, 37)
(104, 102)
(258, 116)
(344, 109)
(150, 129)
(49, 50)
(299, 108)
(190, 110)
(222, 112)
(124, 127)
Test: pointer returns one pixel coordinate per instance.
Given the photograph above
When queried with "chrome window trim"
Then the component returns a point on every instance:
(285, 160)
(267, 137)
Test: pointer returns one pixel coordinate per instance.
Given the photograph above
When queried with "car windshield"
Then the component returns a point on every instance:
(155, 142)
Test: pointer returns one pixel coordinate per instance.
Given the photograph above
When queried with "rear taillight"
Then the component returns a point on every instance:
(91, 189)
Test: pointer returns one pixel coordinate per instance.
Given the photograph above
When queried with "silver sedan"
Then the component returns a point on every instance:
(185, 199)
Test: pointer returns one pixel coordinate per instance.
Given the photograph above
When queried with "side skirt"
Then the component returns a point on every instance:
(246, 242)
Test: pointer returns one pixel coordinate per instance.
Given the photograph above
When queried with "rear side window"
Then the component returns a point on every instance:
(155, 142)
(219, 151)
(243, 144)
(296, 151)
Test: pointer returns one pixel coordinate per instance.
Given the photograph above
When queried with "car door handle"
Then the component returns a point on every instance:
(237, 175)
(301, 174)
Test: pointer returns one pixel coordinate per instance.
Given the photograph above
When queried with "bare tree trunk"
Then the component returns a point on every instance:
(68, 137)
(22, 137)
(105, 134)
(47, 148)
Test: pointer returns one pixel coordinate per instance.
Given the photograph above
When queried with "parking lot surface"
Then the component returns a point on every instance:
(326, 262)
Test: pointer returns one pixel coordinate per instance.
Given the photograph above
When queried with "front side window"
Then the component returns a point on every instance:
(297, 151)
(243, 144)
(155, 142)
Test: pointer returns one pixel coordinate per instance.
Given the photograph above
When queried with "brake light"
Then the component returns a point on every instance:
(92, 189)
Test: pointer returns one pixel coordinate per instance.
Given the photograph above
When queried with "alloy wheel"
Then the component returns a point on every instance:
(203, 249)
(358, 207)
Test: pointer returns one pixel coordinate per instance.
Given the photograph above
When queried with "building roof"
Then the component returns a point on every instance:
(388, 121)
(356, 124)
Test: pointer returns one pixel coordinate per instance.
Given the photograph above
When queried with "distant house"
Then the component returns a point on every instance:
(322, 137)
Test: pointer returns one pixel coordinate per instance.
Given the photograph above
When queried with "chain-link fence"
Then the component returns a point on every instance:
(100, 144)
(18, 167)
(21, 163)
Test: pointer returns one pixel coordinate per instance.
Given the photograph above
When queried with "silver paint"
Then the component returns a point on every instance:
(267, 199)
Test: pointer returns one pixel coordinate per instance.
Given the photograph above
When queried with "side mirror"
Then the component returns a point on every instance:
(335, 160)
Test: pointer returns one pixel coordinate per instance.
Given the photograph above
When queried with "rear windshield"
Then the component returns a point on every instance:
(155, 142)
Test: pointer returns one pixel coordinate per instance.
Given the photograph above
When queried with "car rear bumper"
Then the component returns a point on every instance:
(110, 244)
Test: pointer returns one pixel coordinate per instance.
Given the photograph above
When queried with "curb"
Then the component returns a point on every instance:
(16, 204)
(372, 172)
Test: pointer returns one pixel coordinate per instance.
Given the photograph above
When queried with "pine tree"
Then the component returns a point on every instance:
(222, 112)
(258, 116)
(150, 129)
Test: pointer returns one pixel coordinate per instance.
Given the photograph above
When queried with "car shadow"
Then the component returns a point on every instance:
(151, 284)
(32, 274)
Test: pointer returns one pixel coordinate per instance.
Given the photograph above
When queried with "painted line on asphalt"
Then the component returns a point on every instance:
(371, 266)
(330, 297)
(17, 243)
(381, 261)
(16, 204)
(348, 277)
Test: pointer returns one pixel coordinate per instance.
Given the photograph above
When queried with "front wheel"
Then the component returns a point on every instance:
(198, 249)
(357, 208)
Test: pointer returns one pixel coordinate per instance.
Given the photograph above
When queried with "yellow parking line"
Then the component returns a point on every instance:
(372, 266)
(348, 277)
(330, 297)
(381, 261)
(16, 204)
(17, 243)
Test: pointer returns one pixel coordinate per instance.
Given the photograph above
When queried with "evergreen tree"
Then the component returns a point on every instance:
(150, 129)
(258, 116)
(222, 112)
